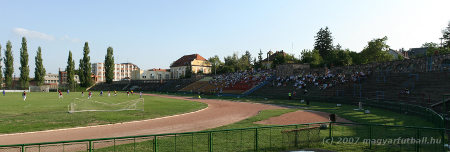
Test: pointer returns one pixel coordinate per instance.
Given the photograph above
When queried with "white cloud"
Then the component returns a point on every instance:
(32, 34)
(68, 38)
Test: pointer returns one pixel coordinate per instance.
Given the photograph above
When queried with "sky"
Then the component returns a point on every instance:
(153, 34)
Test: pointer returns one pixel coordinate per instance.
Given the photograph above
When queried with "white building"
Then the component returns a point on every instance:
(152, 74)
(51, 79)
(121, 71)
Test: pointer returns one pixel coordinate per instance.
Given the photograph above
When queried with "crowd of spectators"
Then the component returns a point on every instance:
(244, 80)
(320, 80)
(323, 78)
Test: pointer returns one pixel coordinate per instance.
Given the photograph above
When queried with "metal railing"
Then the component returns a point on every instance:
(324, 135)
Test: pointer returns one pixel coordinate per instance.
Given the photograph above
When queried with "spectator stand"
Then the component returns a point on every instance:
(412, 78)
(381, 75)
(429, 64)
(379, 95)
(339, 92)
(445, 65)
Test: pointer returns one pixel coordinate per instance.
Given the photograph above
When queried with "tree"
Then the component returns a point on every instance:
(109, 65)
(85, 67)
(283, 58)
(432, 48)
(9, 67)
(324, 43)
(188, 73)
(80, 72)
(260, 58)
(312, 57)
(39, 70)
(70, 71)
(216, 63)
(356, 58)
(446, 36)
(24, 79)
(231, 63)
(1, 73)
(245, 62)
(343, 58)
(430, 45)
(258, 64)
(339, 56)
(376, 51)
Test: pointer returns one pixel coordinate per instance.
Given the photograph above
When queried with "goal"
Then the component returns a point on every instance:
(86, 105)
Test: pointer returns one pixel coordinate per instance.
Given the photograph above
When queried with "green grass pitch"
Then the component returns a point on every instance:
(44, 111)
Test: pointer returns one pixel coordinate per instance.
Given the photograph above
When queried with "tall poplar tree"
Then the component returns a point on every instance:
(9, 65)
(24, 79)
(85, 67)
(39, 70)
(70, 69)
(1, 73)
(109, 65)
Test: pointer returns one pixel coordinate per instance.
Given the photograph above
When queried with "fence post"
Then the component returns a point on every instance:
(210, 141)
(370, 136)
(443, 139)
(417, 137)
(296, 136)
(23, 148)
(256, 139)
(329, 135)
(90, 146)
(155, 143)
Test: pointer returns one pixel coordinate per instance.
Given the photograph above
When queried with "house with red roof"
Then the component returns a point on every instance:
(195, 62)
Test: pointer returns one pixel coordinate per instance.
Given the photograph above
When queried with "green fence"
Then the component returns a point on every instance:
(326, 135)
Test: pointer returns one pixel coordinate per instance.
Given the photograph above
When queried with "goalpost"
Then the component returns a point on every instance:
(85, 105)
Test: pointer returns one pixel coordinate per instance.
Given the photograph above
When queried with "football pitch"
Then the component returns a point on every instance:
(44, 111)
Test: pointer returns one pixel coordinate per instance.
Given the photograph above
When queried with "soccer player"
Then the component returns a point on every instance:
(109, 93)
(101, 93)
(140, 94)
(115, 93)
(60, 95)
(128, 93)
(4, 92)
(82, 93)
(90, 95)
(24, 95)
(68, 91)
(132, 92)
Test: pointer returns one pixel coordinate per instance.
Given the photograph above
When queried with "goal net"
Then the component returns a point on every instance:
(85, 105)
